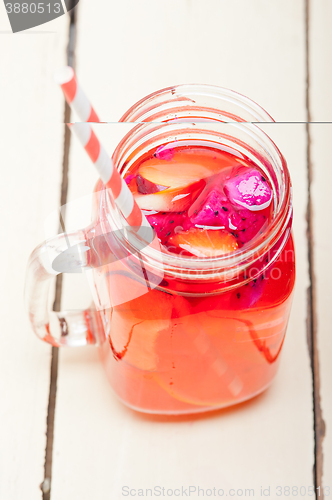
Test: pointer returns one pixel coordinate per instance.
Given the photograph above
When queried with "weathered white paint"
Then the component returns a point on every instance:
(321, 138)
(31, 163)
(129, 49)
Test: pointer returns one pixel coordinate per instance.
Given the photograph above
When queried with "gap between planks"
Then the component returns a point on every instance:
(319, 424)
(47, 483)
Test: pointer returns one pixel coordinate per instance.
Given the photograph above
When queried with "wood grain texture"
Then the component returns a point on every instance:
(320, 108)
(321, 136)
(31, 157)
(129, 49)
(320, 19)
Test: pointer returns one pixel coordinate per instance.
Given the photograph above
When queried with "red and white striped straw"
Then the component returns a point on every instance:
(75, 96)
(122, 195)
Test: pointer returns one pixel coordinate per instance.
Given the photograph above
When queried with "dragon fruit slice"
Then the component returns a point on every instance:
(217, 212)
(164, 153)
(249, 189)
(213, 211)
(252, 227)
(246, 296)
(166, 223)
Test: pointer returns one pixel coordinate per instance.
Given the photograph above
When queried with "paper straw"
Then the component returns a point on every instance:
(122, 195)
(75, 96)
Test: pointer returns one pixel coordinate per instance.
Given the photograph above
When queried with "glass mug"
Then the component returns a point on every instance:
(177, 334)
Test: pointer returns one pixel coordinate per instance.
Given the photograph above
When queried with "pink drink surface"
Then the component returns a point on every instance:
(184, 346)
(202, 201)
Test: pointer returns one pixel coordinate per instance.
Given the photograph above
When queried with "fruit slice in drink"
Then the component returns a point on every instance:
(204, 243)
(135, 324)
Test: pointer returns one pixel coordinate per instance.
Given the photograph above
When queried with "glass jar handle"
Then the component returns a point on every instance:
(63, 253)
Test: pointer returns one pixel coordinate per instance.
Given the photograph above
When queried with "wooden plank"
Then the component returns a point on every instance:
(265, 442)
(320, 83)
(321, 136)
(320, 100)
(253, 47)
(31, 157)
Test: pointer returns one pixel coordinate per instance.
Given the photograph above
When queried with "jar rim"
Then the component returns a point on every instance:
(136, 111)
(179, 265)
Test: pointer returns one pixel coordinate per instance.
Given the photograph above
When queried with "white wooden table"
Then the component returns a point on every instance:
(277, 52)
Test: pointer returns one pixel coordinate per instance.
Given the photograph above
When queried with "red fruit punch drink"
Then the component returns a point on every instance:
(209, 331)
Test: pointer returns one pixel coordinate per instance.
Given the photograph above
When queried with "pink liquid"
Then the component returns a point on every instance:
(190, 346)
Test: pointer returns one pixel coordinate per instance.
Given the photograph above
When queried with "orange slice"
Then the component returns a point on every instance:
(196, 361)
(136, 324)
(204, 243)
